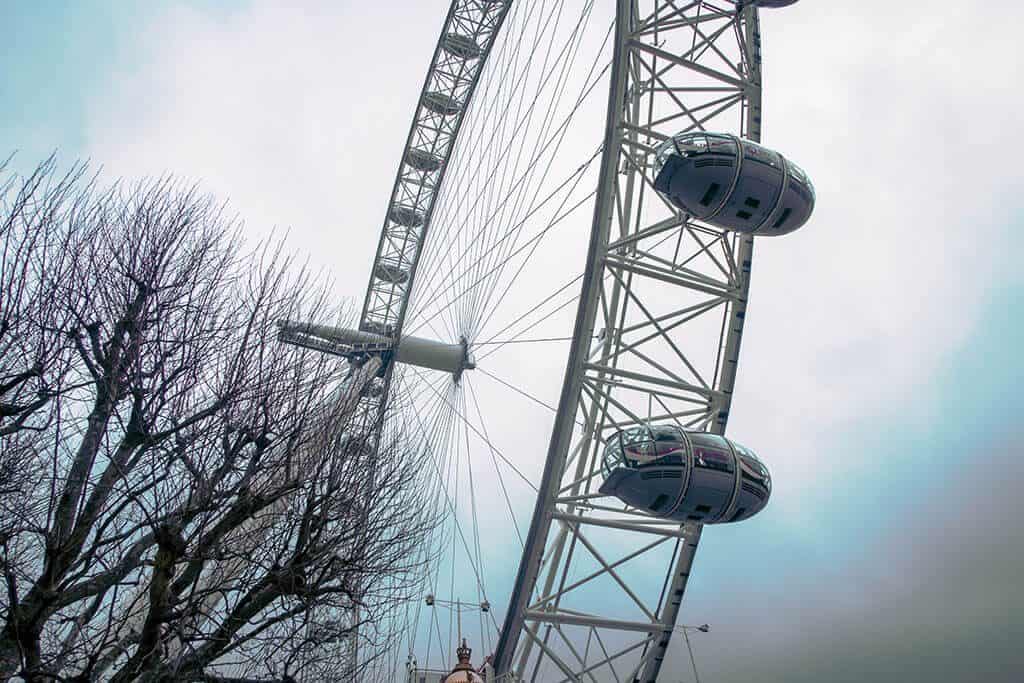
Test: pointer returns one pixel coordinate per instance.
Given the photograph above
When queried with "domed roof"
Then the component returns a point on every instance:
(463, 671)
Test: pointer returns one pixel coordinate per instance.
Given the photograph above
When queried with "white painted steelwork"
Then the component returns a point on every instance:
(652, 276)
(349, 343)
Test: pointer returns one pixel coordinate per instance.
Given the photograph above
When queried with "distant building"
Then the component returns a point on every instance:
(462, 673)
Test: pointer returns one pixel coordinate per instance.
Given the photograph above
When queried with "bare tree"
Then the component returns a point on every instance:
(184, 498)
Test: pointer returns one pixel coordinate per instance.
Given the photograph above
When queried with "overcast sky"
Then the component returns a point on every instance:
(881, 359)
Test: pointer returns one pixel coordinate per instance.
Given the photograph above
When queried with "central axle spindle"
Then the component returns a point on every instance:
(349, 343)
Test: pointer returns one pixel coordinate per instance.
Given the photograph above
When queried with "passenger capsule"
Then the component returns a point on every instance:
(460, 46)
(442, 104)
(396, 275)
(734, 184)
(422, 160)
(685, 475)
(406, 216)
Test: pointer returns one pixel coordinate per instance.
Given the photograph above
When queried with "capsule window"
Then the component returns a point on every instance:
(712, 459)
(782, 218)
(659, 502)
(802, 192)
(752, 203)
(704, 509)
(745, 215)
(709, 196)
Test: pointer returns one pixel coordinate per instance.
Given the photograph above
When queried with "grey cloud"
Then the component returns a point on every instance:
(934, 597)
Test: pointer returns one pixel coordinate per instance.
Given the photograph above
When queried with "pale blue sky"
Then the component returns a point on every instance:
(882, 359)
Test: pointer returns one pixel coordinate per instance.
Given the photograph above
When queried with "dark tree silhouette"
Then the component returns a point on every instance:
(182, 497)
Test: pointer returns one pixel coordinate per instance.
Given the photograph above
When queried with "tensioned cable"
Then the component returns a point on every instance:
(553, 103)
(526, 341)
(447, 434)
(500, 455)
(490, 340)
(532, 325)
(519, 81)
(497, 470)
(532, 242)
(433, 295)
(453, 508)
(521, 392)
(444, 415)
(430, 295)
(476, 522)
(491, 149)
(443, 542)
(453, 497)
(524, 246)
(586, 91)
(488, 291)
(504, 158)
(438, 436)
(500, 66)
(512, 209)
(536, 307)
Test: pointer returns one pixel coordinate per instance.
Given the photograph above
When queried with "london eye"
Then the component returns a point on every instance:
(555, 310)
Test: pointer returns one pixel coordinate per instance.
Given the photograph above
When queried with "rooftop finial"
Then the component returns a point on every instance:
(464, 652)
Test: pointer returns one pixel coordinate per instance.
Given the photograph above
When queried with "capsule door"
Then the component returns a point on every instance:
(712, 479)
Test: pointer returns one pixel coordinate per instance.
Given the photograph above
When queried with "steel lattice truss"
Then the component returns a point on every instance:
(598, 592)
(466, 40)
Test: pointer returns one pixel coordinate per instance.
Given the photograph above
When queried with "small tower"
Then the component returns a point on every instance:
(463, 671)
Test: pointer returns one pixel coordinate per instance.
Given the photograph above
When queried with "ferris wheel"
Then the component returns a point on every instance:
(582, 181)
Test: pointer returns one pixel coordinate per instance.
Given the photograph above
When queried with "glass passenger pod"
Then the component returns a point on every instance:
(422, 160)
(646, 445)
(463, 47)
(645, 467)
(393, 274)
(712, 481)
(752, 468)
(442, 104)
(696, 170)
(406, 216)
(733, 184)
(648, 468)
